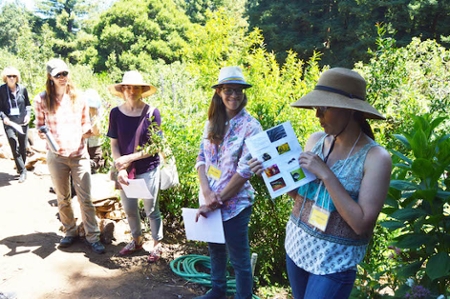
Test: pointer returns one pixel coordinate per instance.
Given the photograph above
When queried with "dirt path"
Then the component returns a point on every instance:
(31, 265)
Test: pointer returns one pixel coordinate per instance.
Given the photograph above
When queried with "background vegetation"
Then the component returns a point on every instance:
(179, 46)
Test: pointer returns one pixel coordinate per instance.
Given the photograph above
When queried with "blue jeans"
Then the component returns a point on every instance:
(329, 286)
(237, 245)
(151, 207)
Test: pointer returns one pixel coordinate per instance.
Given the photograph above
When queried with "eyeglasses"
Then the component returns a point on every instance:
(11, 76)
(62, 74)
(229, 91)
(321, 109)
(131, 87)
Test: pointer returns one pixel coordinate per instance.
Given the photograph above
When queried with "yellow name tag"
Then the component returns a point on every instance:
(214, 172)
(319, 217)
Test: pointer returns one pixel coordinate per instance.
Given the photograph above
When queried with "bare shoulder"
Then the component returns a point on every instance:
(313, 139)
(378, 157)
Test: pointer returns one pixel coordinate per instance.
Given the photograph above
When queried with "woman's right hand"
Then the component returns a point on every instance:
(256, 166)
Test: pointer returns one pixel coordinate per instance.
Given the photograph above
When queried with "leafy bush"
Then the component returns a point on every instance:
(418, 206)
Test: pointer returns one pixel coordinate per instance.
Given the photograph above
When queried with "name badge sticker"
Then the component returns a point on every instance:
(214, 173)
(319, 217)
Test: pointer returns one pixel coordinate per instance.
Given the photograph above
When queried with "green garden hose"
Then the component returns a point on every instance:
(185, 267)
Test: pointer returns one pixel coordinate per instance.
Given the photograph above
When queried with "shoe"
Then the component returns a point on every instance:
(23, 176)
(155, 255)
(66, 242)
(98, 247)
(130, 248)
(211, 294)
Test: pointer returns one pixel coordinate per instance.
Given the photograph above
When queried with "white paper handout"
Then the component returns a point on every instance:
(279, 149)
(136, 189)
(16, 127)
(206, 229)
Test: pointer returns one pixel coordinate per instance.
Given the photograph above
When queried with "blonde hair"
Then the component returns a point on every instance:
(10, 70)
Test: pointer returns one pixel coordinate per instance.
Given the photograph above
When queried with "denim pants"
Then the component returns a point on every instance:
(61, 168)
(18, 144)
(151, 207)
(237, 245)
(329, 286)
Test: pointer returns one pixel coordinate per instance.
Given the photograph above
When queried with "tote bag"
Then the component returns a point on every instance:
(169, 173)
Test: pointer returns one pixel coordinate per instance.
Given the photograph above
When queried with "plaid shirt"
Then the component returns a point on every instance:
(67, 124)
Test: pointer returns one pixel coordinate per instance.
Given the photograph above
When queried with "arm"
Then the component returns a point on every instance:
(125, 160)
(27, 118)
(362, 215)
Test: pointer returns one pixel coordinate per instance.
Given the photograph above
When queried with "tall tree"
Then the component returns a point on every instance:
(133, 32)
(343, 30)
(13, 16)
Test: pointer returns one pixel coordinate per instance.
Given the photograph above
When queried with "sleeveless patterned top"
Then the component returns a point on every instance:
(339, 248)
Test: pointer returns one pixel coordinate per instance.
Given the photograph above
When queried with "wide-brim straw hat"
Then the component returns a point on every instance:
(133, 78)
(231, 75)
(340, 88)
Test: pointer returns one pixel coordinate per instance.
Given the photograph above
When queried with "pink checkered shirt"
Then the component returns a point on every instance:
(67, 124)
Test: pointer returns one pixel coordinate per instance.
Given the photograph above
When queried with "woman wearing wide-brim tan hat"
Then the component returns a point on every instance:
(131, 125)
(333, 217)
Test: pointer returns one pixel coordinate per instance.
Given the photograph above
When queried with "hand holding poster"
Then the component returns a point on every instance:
(278, 149)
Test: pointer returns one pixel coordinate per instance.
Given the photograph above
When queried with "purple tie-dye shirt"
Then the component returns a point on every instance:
(229, 157)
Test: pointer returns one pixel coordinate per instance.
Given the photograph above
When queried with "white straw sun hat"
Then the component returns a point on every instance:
(133, 78)
(231, 75)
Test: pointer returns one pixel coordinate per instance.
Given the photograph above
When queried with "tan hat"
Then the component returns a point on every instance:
(133, 78)
(231, 75)
(56, 66)
(340, 88)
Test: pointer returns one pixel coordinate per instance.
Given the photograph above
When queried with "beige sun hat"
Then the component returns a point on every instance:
(340, 88)
(133, 78)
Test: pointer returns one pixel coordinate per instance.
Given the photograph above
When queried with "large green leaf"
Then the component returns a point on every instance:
(414, 241)
(403, 185)
(419, 145)
(438, 266)
(393, 225)
(408, 214)
(409, 270)
(422, 167)
(403, 140)
(401, 156)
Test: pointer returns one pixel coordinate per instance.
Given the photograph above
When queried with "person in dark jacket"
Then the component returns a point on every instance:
(15, 112)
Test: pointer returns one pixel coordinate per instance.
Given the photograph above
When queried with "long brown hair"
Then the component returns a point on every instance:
(217, 117)
(50, 94)
(362, 121)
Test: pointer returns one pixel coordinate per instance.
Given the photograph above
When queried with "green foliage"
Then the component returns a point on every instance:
(418, 209)
(152, 30)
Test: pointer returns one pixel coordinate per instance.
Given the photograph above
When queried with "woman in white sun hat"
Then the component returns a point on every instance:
(223, 174)
(333, 217)
(129, 125)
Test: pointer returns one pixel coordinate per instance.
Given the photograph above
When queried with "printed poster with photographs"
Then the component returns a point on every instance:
(279, 150)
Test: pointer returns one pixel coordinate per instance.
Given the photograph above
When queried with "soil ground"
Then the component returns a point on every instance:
(32, 266)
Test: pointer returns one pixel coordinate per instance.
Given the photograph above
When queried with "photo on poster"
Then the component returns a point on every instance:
(284, 148)
(297, 175)
(278, 184)
(276, 133)
(272, 170)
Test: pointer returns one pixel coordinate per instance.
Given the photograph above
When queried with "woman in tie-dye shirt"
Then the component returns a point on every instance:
(223, 174)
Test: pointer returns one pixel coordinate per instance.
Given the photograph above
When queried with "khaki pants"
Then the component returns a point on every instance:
(61, 168)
